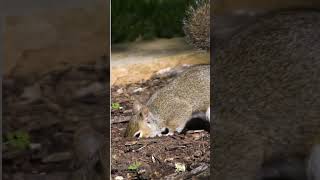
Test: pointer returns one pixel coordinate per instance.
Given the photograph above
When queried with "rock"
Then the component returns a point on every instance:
(35, 146)
(180, 167)
(200, 168)
(120, 91)
(92, 89)
(31, 94)
(57, 157)
(138, 90)
(164, 72)
(118, 178)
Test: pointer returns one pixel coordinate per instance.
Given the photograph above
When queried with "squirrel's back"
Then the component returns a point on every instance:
(273, 68)
(266, 93)
(270, 75)
(192, 86)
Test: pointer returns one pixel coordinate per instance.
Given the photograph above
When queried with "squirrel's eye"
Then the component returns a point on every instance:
(137, 134)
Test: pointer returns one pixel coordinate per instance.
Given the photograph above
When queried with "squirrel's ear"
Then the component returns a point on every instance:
(145, 111)
(137, 106)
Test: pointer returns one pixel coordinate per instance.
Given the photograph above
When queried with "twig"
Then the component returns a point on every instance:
(190, 174)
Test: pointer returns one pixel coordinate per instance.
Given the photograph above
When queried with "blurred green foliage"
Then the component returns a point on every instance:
(134, 166)
(147, 19)
(115, 106)
(18, 139)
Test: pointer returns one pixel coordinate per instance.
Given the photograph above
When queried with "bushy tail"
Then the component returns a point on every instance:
(196, 24)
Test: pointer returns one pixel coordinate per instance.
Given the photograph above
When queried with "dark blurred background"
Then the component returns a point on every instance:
(147, 19)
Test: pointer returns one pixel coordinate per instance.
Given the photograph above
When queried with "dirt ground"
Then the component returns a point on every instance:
(49, 110)
(63, 115)
(160, 157)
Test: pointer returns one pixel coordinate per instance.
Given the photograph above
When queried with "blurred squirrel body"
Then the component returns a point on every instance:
(266, 94)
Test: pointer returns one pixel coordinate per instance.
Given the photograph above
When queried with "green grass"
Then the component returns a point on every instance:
(134, 166)
(147, 19)
(19, 140)
(115, 106)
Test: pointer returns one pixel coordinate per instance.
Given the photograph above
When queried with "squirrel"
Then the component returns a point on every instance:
(170, 108)
(266, 94)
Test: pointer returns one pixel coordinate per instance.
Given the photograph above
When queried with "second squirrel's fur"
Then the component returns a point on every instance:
(266, 94)
(171, 107)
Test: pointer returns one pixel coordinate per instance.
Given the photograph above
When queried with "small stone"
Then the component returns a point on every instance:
(114, 157)
(93, 88)
(141, 171)
(180, 167)
(168, 159)
(118, 178)
(57, 157)
(120, 91)
(31, 94)
(163, 71)
(35, 146)
(153, 159)
(138, 90)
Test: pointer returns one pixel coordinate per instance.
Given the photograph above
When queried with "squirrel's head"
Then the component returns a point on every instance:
(142, 123)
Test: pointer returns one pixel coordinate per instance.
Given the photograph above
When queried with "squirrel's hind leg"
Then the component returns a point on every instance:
(178, 120)
(167, 132)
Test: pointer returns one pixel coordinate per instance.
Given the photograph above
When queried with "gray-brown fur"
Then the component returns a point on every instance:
(175, 103)
(266, 94)
(313, 164)
(173, 106)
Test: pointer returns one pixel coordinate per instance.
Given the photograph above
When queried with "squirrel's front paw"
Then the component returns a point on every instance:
(179, 129)
(169, 134)
(166, 132)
